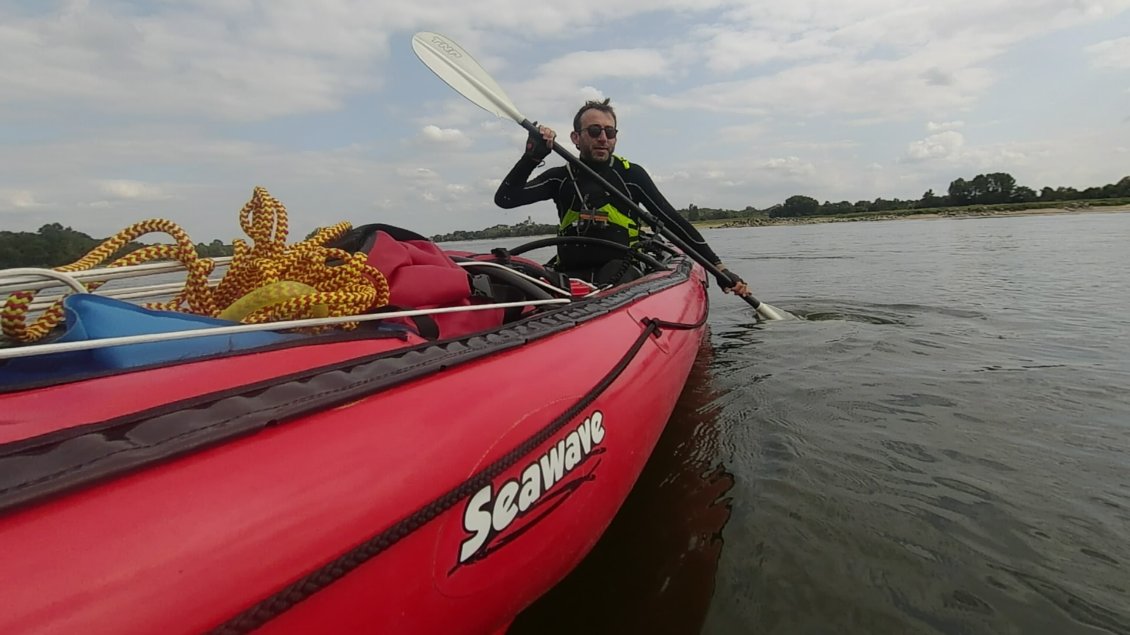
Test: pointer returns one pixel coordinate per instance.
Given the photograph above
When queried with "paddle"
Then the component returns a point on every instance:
(459, 70)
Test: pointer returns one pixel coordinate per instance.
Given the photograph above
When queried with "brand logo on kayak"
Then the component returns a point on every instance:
(442, 45)
(490, 513)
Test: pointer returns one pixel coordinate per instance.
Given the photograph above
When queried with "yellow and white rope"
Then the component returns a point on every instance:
(267, 280)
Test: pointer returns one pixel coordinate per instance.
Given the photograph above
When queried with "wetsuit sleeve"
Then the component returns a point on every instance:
(658, 205)
(514, 191)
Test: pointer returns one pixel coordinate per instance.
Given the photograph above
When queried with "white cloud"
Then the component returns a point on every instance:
(221, 64)
(590, 93)
(792, 166)
(247, 61)
(944, 125)
(18, 199)
(891, 88)
(821, 145)
(742, 132)
(605, 63)
(1001, 157)
(943, 145)
(731, 50)
(1111, 53)
(447, 136)
(126, 189)
(869, 57)
(417, 174)
(951, 148)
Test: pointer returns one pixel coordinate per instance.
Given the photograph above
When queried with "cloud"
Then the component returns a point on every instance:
(605, 63)
(214, 61)
(869, 57)
(417, 174)
(943, 145)
(822, 145)
(125, 189)
(730, 51)
(244, 61)
(1110, 53)
(792, 166)
(952, 148)
(447, 136)
(18, 200)
(840, 86)
(742, 132)
(945, 125)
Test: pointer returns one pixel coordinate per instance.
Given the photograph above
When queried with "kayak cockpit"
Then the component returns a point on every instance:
(104, 328)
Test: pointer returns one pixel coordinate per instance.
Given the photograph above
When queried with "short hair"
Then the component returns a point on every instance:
(592, 104)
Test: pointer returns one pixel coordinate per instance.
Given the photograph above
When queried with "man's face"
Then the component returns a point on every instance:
(601, 147)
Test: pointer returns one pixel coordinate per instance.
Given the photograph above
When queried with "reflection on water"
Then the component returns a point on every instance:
(653, 570)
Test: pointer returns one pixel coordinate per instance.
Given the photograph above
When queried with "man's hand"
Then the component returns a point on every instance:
(538, 146)
(733, 283)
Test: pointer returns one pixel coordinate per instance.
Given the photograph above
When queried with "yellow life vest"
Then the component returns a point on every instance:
(605, 215)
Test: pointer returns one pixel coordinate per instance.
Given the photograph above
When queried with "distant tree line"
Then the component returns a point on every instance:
(525, 228)
(997, 188)
(696, 213)
(54, 245)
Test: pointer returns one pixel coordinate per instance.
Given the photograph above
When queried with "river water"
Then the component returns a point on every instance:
(940, 445)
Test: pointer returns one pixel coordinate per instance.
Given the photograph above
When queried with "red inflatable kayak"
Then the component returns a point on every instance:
(377, 481)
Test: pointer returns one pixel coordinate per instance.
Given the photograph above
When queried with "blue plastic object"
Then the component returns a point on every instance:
(92, 317)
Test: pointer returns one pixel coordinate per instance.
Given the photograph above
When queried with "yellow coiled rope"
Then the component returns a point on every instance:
(266, 281)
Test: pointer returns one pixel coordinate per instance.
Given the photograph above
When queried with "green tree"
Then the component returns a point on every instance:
(960, 192)
(929, 199)
(843, 207)
(978, 189)
(998, 188)
(1122, 188)
(798, 205)
(1066, 194)
(1023, 194)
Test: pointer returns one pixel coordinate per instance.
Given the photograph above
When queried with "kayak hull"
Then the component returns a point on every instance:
(440, 501)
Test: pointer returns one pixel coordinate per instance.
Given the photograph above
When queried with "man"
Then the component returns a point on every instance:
(585, 208)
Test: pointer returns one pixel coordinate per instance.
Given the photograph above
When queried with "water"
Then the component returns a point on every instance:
(940, 446)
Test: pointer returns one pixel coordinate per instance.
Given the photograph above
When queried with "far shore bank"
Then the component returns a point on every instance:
(914, 215)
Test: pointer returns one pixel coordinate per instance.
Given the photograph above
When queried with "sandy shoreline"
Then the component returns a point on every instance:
(762, 222)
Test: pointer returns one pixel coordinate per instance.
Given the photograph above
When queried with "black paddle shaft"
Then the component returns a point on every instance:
(623, 196)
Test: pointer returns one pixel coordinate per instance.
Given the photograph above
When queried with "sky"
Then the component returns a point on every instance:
(115, 111)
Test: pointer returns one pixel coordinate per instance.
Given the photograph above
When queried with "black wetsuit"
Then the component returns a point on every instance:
(557, 183)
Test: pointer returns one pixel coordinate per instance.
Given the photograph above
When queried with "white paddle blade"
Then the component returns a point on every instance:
(455, 66)
(769, 312)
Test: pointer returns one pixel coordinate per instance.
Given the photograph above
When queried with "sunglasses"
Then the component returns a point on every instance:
(594, 131)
